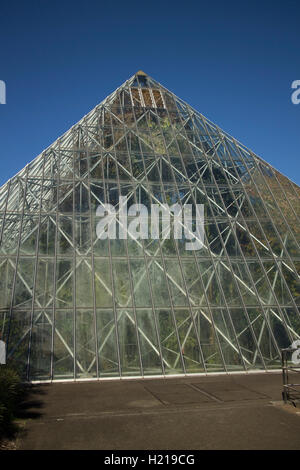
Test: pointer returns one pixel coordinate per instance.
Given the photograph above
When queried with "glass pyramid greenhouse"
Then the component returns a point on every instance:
(74, 306)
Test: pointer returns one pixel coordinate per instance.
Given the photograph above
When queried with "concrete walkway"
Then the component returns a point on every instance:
(215, 412)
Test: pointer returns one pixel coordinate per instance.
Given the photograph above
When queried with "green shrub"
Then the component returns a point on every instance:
(10, 390)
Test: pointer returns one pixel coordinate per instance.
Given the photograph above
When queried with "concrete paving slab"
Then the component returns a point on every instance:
(177, 393)
(164, 414)
(230, 391)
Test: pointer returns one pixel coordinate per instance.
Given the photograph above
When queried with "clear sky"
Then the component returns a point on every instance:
(234, 61)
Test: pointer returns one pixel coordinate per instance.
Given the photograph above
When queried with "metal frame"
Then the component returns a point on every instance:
(129, 141)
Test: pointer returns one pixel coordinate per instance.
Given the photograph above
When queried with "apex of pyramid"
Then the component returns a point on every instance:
(140, 72)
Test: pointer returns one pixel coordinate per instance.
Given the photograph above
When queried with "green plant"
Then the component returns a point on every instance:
(10, 391)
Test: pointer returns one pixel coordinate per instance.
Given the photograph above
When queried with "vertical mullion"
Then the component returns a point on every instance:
(5, 210)
(58, 162)
(17, 254)
(76, 134)
(35, 269)
(111, 269)
(1, 240)
(92, 254)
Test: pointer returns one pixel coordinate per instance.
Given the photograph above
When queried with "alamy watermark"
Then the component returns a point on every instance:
(2, 92)
(133, 222)
(296, 94)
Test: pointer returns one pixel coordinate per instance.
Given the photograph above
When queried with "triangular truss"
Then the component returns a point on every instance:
(74, 306)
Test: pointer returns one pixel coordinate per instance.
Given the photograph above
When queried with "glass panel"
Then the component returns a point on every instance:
(227, 338)
(10, 236)
(129, 354)
(44, 283)
(208, 340)
(261, 325)
(40, 350)
(121, 283)
(194, 283)
(179, 297)
(191, 351)
(19, 331)
(150, 353)
(293, 283)
(7, 269)
(159, 285)
(65, 245)
(64, 283)
(84, 288)
(64, 344)
(103, 288)
(247, 341)
(83, 242)
(169, 342)
(244, 282)
(81, 196)
(47, 236)
(65, 198)
(24, 283)
(107, 345)
(85, 344)
(140, 283)
(266, 294)
(29, 235)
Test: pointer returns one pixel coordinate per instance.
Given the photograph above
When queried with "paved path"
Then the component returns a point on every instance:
(220, 412)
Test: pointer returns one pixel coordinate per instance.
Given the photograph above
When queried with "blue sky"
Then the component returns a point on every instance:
(233, 61)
